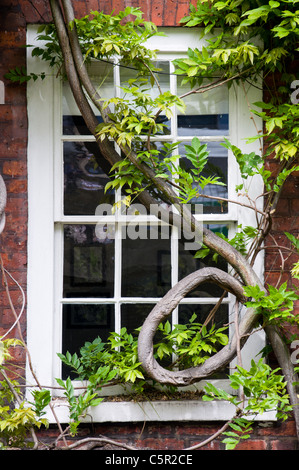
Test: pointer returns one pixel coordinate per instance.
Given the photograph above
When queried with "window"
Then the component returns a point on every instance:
(86, 276)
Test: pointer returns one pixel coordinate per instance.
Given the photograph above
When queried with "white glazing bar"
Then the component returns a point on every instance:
(58, 152)
(58, 291)
(78, 138)
(118, 235)
(174, 266)
(117, 276)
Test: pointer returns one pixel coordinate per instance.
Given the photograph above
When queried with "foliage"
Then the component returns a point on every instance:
(264, 390)
(117, 360)
(17, 420)
(192, 343)
(78, 404)
(19, 75)
(275, 306)
(106, 35)
(253, 37)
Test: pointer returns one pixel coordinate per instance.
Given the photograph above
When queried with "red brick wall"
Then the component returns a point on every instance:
(14, 16)
(13, 167)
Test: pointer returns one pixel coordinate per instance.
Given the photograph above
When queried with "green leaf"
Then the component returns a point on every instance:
(274, 4)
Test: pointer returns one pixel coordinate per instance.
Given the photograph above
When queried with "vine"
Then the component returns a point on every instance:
(244, 40)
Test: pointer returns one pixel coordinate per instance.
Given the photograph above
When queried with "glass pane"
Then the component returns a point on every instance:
(101, 74)
(188, 264)
(206, 113)
(84, 179)
(217, 166)
(133, 315)
(88, 262)
(83, 323)
(162, 76)
(146, 261)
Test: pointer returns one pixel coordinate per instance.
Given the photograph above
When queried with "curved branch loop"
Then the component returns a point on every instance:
(164, 308)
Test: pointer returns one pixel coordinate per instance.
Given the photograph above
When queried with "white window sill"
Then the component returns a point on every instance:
(167, 411)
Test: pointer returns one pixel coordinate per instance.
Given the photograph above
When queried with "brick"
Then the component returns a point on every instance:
(276, 279)
(118, 429)
(8, 318)
(182, 10)
(294, 206)
(16, 186)
(16, 205)
(39, 12)
(284, 444)
(157, 12)
(16, 298)
(252, 444)
(283, 208)
(197, 429)
(12, 38)
(161, 444)
(291, 187)
(17, 353)
(14, 259)
(282, 224)
(213, 445)
(14, 168)
(10, 148)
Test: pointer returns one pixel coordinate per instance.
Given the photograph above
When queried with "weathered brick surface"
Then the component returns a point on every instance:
(14, 16)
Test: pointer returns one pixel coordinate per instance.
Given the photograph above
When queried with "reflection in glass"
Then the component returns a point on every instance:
(82, 323)
(88, 262)
(84, 179)
(206, 113)
(217, 166)
(146, 262)
(133, 315)
(188, 264)
(101, 74)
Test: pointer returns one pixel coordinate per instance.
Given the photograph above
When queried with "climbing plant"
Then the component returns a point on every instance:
(246, 42)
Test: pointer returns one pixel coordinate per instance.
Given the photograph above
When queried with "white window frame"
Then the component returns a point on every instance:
(45, 259)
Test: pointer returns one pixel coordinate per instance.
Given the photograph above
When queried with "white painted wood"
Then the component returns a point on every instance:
(40, 298)
(160, 411)
(2, 92)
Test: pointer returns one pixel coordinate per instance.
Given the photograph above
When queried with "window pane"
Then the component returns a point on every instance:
(83, 323)
(146, 262)
(88, 262)
(133, 315)
(206, 113)
(216, 166)
(188, 264)
(84, 179)
(101, 74)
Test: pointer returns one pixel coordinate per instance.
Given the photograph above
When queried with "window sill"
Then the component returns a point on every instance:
(163, 411)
